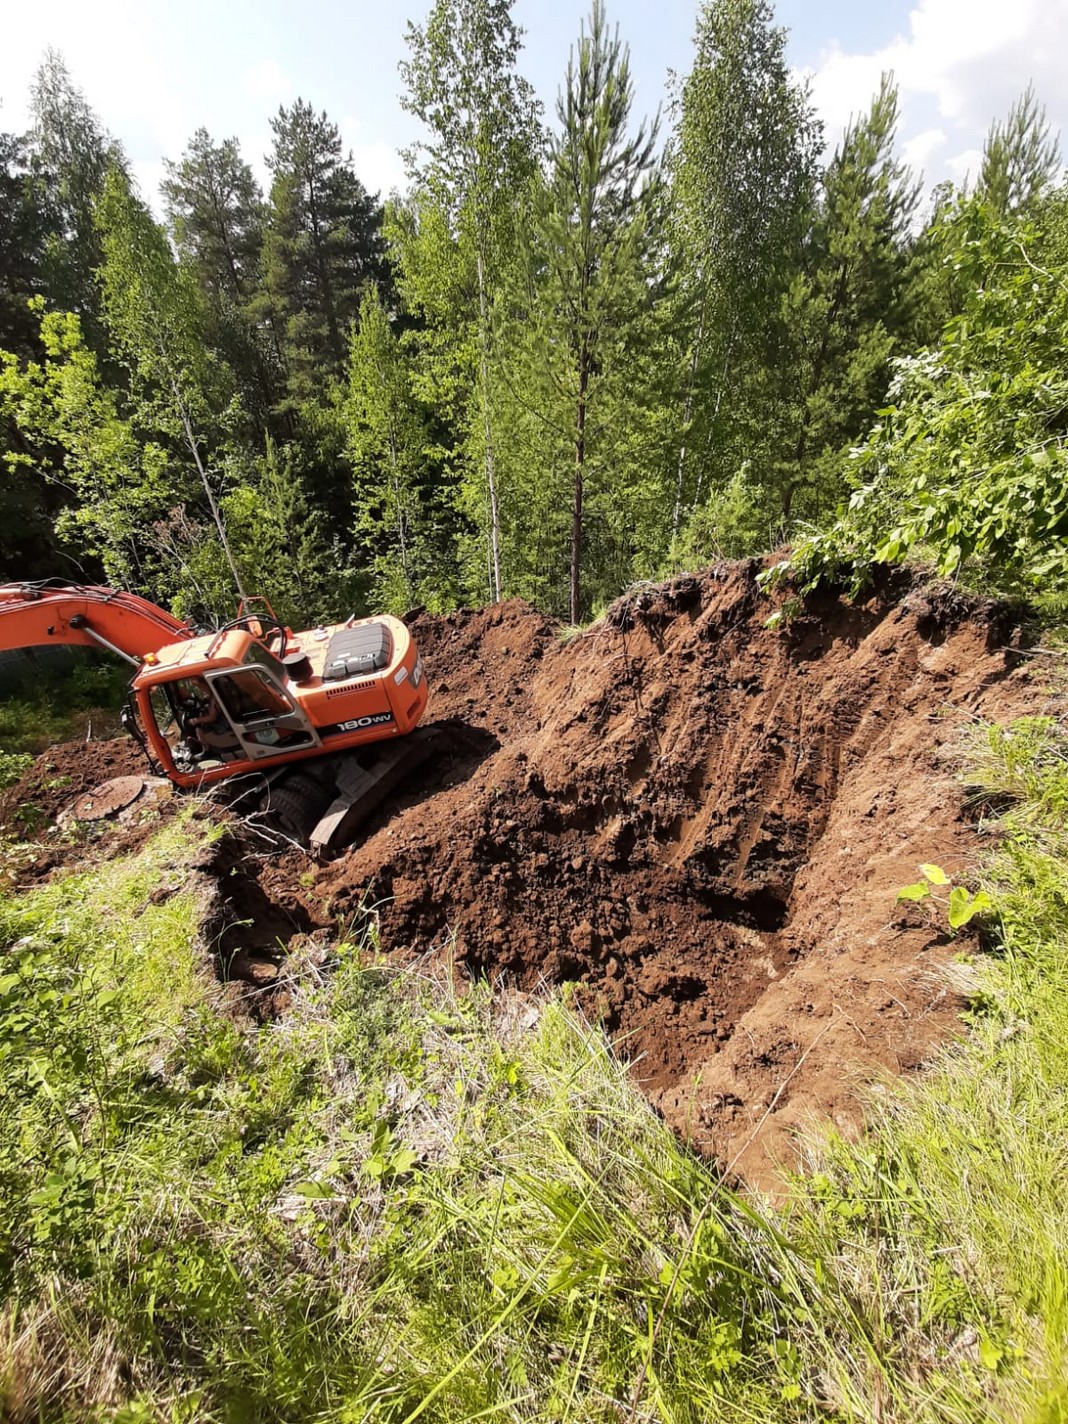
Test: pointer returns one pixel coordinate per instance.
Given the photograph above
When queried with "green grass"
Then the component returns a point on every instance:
(45, 707)
(398, 1202)
(394, 1203)
(949, 1224)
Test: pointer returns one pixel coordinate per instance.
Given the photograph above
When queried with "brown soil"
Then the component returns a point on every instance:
(705, 824)
(702, 822)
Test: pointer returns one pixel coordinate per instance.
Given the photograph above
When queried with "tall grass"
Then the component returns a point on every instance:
(948, 1224)
(400, 1203)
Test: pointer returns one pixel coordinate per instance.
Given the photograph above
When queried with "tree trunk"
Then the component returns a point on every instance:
(580, 470)
(216, 513)
(491, 474)
(687, 416)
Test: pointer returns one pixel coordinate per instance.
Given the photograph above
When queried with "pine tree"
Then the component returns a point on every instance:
(592, 236)
(215, 209)
(1021, 157)
(216, 213)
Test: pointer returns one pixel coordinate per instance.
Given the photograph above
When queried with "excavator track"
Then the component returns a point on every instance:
(364, 780)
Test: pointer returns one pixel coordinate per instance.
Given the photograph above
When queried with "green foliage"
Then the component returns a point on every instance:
(587, 374)
(74, 153)
(743, 173)
(461, 237)
(967, 466)
(960, 905)
(590, 256)
(843, 312)
(217, 214)
(399, 511)
(12, 766)
(732, 523)
(321, 246)
(122, 481)
(48, 704)
(1021, 158)
(25, 222)
(154, 313)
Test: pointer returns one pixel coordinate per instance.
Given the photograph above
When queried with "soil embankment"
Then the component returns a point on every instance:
(700, 821)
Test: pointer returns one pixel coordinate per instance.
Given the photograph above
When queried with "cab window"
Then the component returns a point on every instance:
(259, 655)
(164, 713)
(250, 696)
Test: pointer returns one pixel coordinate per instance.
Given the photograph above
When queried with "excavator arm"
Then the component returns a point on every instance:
(34, 614)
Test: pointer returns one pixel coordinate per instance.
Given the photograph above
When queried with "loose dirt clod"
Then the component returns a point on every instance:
(701, 822)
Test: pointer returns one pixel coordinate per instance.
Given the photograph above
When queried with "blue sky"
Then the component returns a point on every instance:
(156, 69)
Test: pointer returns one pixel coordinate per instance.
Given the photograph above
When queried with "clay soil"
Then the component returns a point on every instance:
(701, 822)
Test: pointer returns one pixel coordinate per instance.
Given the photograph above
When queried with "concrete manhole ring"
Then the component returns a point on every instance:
(106, 799)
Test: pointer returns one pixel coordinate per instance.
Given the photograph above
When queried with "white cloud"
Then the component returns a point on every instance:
(377, 162)
(962, 62)
(964, 167)
(379, 168)
(269, 82)
(919, 150)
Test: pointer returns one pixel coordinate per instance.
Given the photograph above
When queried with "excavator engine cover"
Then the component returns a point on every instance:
(357, 652)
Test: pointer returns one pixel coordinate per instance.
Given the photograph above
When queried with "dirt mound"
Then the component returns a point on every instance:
(704, 823)
(64, 773)
(700, 821)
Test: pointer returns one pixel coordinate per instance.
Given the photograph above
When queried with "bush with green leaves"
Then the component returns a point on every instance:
(968, 465)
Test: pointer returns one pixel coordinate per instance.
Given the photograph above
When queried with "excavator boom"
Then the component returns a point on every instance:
(33, 614)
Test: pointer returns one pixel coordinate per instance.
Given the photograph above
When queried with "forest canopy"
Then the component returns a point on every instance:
(584, 349)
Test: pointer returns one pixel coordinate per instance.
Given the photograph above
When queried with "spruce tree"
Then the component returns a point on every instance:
(322, 246)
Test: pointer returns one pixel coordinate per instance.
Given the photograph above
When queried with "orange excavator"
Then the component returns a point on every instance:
(321, 720)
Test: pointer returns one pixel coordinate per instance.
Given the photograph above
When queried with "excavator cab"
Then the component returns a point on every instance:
(214, 718)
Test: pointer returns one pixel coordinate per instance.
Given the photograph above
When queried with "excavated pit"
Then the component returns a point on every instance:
(700, 821)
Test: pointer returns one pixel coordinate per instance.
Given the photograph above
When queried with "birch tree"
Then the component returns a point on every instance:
(152, 310)
(484, 131)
